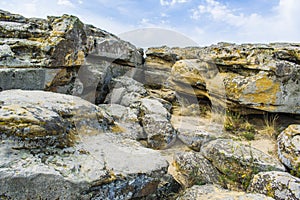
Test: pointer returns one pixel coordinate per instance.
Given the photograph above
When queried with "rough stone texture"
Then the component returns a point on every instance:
(56, 146)
(156, 122)
(193, 169)
(238, 162)
(263, 77)
(127, 121)
(59, 53)
(279, 185)
(289, 148)
(214, 192)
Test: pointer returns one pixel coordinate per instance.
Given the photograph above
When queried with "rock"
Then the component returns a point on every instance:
(193, 169)
(214, 192)
(279, 185)
(238, 162)
(156, 122)
(162, 57)
(59, 53)
(253, 76)
(289, 148)
(127, 121)
(56, 146)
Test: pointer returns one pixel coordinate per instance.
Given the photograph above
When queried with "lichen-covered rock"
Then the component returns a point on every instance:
(156, 122)
(238, 162)
(289, 148)
(56, 146)
(193, 169)
(255, 76)
(279, 185)
(62, 52)
(215, 192)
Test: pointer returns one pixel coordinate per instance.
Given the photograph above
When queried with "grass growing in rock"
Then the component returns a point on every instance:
(239, 125)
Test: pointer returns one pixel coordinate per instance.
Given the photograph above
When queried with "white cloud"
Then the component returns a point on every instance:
(279, 26)
(172, 2)
(65, 3)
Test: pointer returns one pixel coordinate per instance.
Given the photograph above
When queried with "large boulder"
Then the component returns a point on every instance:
(279, 185)
(289, 148)
(61, 54)
(215, 192)
(255, 76)
(56, 146)
(193, 169)
(238, 162)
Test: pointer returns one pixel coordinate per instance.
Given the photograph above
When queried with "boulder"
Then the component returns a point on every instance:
(238, 162)
(279, 185)
(59, 53)
(254, 76)
(55, 146)
(289, 148)
(215, 192)
(193, 169)
(155, 119)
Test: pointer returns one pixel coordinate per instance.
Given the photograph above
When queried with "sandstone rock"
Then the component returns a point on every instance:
(156, 122)
(261, 77)
(162, 57)
(193, 169)
(56, 146)
(61, 52)
(238, 162)
(279, 185)
(214, 192)
(127, 121)
(289, 148)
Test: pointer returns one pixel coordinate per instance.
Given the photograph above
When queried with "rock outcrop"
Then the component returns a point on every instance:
(260, 77)
(289, 148)
(238, 162)
(61, 54)
(56, 146)
(279, 185)
(214, 192)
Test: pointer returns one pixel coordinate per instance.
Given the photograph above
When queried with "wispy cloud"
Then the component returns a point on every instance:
(172, 2)
(65, 3)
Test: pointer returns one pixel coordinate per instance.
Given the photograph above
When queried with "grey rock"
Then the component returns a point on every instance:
(193, 169)
(55, 146)
(279, 185)
(215, 192)
(238, 162)
(289, 148)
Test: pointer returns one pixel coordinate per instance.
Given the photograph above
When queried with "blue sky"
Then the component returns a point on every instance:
(178, 22)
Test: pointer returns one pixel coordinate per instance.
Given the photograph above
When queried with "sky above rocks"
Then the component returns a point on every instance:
(178, 22)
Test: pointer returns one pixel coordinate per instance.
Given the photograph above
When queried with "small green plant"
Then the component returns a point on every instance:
(270, 125)
(239, 125)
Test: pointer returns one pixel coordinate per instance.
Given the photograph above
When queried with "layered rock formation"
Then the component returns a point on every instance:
(129, 127)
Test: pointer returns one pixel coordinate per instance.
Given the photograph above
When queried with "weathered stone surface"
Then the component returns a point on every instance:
(238, 162)
(279, 185)
(214, 192)
(56, 146)
(289, 148)
(263, 77)
(156, 122)
(160, 57)
(193, 169)
(127, 121)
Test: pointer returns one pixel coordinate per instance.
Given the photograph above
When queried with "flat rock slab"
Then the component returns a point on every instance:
(97, 164)
(279, 185)
(214, 192)
(289, 148)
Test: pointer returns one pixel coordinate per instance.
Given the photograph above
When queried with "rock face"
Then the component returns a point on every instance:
(59, 53)
(261, 77)
(56, 146)
(289, 148)
(214, 192)
(279, 185)
(238, 162)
